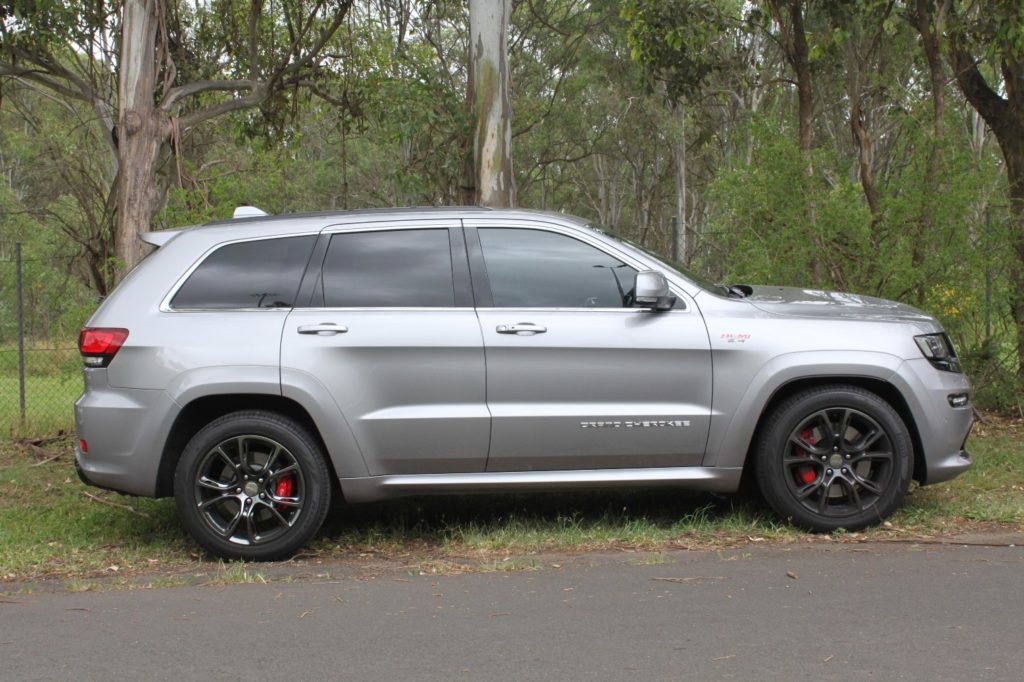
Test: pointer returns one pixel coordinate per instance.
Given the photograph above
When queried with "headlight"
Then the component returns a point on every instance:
(939, 351)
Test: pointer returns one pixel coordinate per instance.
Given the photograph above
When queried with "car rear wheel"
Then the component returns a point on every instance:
(252, 485)
(834, 457)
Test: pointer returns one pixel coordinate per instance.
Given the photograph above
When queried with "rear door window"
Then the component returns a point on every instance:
(389, 269)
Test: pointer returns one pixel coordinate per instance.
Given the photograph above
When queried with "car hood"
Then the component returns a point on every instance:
(832, 304)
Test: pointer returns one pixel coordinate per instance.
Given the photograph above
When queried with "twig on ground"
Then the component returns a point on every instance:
(36, 451)
(126, 507)
(693, 579)
(951, 543)
(40, 441)
(48, 459)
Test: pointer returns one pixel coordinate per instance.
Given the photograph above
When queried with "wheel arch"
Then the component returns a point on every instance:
(205, 409)
(883, 389)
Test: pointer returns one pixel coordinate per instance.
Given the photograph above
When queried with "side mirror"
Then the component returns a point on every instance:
(651, 291)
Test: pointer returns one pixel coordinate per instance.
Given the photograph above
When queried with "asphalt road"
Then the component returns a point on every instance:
(833, 611)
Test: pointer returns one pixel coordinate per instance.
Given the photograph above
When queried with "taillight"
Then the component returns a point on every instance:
(99, 345)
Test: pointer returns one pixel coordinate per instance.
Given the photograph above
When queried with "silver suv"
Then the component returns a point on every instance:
(255, 368)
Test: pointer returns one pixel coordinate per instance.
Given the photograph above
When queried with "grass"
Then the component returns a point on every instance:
(49, 404)
(50, 529)
(53, 380)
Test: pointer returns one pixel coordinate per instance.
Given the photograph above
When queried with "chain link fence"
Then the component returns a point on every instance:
(42, 306)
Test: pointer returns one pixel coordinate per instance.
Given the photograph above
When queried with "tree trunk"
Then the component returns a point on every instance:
(468, 181)
(805, 92)
(928, 18)
(141, 128)
(859, 132)
(1013, 153)
(680, 250)
(1005, 116)
(929, 25)
(492, 144)
(797, 54)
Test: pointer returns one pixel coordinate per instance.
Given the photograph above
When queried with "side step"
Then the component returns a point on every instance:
(372, 488)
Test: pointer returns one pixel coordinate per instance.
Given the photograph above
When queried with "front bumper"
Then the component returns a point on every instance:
(942, 428)
(945, 468)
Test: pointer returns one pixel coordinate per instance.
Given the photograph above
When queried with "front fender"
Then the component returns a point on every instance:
(740, 395)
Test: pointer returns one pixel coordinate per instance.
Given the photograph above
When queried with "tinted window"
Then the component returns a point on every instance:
(400, 268)
(536, 269)
(256, 274)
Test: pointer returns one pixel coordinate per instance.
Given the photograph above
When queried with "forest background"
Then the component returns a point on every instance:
(873, 147)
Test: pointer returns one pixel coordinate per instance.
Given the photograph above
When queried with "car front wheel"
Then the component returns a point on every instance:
(834, 457)
(252, 485)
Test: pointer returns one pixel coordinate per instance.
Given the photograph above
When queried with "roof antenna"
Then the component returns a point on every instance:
(248, 212)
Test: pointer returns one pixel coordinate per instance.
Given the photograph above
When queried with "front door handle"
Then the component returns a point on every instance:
(323, 329)
(520, 328)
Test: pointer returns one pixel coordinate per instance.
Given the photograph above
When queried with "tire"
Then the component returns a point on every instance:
(252, 485)
(834, 457)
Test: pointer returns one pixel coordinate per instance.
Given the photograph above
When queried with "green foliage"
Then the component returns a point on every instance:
(679, 43)
(994, 28)
(761, 218)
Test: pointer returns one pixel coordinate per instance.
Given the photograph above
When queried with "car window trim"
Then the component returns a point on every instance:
(462, 287)
(165, 303)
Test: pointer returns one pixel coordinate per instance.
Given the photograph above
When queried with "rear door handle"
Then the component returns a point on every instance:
(520, 328)
(323, 329)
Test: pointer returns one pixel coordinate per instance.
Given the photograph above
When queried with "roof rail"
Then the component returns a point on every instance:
(248, 212)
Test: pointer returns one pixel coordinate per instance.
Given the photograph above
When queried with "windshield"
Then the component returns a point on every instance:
(675, 266)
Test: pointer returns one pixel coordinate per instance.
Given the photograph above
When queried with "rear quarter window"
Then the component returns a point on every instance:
(263, 273)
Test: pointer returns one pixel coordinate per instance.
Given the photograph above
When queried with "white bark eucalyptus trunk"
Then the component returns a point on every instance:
(680, 246)
(492, 103)
(141, 129)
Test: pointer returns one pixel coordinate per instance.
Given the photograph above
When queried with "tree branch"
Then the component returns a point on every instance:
(176, 94)
(325, 36)
(993, 108)
(255, 98)
(41, 77)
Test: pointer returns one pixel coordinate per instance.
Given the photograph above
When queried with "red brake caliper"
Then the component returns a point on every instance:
(283, 489)
(805, 475)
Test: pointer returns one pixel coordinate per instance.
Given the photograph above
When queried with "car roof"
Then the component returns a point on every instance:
(299, 223)
(404, 212)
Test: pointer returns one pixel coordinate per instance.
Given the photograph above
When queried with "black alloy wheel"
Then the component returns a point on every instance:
(834, 457)
(252, 485)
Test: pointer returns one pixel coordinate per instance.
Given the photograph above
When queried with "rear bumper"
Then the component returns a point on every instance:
(125, 430)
